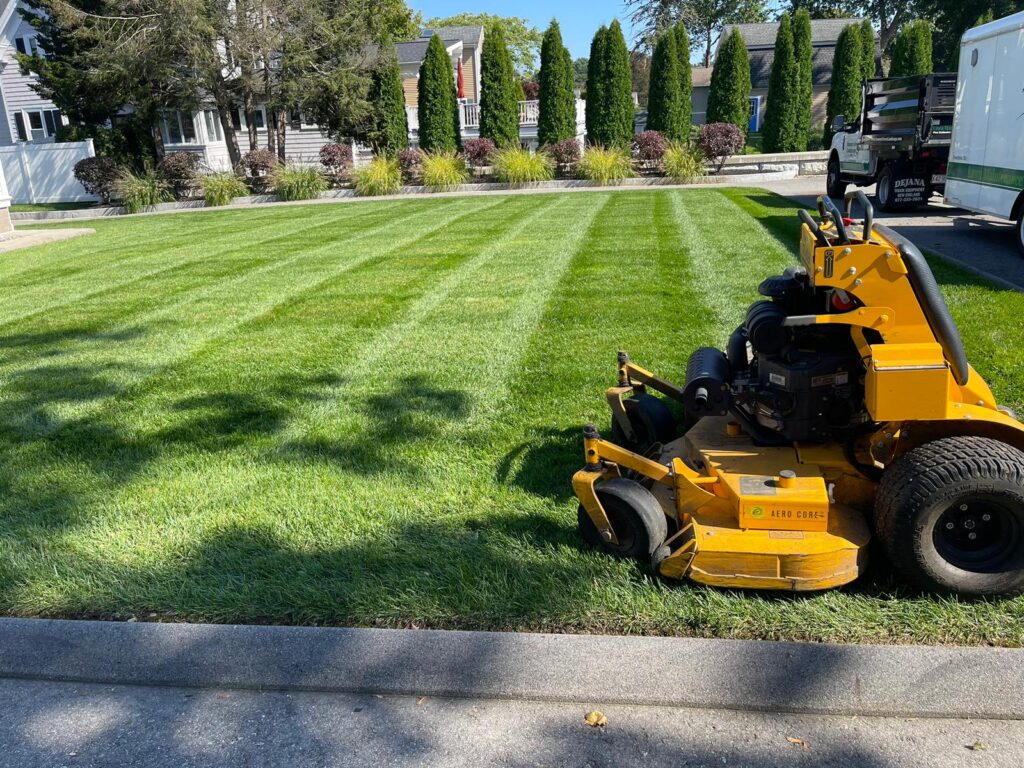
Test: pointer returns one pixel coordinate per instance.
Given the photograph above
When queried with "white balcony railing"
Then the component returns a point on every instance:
(469, 114)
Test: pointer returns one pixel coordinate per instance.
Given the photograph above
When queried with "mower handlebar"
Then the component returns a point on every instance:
(807, 219)
(869, 212)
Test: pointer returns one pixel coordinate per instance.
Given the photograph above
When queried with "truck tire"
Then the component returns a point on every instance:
(950, 516)
(834, 184)
(885, 192)
(1020, 233)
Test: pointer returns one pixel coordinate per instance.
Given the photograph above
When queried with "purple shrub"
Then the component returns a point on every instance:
(478, 152)
(410, 162)
(565, 154)
(720, 140)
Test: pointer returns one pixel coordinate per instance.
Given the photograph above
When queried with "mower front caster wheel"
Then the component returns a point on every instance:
(950, 515)
(636, 517)
(652, 422)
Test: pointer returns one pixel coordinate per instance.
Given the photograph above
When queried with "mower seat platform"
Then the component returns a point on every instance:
(771, 525)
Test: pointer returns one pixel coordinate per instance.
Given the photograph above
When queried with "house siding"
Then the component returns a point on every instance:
(469, 73)
(17, 88)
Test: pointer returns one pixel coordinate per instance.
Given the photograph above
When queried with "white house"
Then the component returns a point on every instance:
(28, 117)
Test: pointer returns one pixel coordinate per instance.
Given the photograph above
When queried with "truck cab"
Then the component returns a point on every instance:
(900, 141)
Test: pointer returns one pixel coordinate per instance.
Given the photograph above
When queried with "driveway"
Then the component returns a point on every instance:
(983, 244)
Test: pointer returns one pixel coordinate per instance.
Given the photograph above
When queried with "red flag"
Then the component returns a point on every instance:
(460, 82)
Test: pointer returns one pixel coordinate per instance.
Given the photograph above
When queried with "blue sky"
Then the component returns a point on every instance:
(579, 19)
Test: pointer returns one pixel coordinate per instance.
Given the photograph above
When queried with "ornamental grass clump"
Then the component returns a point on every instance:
(222, 188)
(381, 177)
(295, 182)
(140, 191)
(605, 166)
(443, 170)
(681, 163)
(520, 166)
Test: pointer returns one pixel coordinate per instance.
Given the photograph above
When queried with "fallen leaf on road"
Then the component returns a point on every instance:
(978, 746)
(421, 700)
(595, 719)
(799, 743)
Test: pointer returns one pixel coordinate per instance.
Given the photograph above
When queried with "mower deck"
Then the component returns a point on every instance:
(793, 538)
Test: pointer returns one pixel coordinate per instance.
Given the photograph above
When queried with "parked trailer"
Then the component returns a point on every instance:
(986, 168)
(900, 142)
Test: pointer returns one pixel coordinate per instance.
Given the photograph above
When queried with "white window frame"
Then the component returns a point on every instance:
(29, 43)
(43, 133)
(165, 133)
(214, 130)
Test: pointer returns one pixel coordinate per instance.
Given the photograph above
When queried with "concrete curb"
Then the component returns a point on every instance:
(463, 190)
(910, 681)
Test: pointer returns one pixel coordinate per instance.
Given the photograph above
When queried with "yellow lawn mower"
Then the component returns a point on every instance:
(844, 405)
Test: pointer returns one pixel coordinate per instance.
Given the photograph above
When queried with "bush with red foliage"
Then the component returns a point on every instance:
(410, 162)
(649, 147)
(531, 90)
(720, 140)
(98, 176)
(478, 152)
(565, 154)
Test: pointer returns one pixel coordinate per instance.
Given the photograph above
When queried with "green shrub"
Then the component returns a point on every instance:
(444, 170)
(520, 166)
(381, 177)
(605, 165)
(140, 191)
(729, 95)
(683, 164)
(222, 188)
(295, 182)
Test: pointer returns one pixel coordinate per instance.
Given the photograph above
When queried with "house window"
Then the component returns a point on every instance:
(178, 128)
(213, 127)
(236, 119)
(26, 45)
(37, 125)
(258, 117)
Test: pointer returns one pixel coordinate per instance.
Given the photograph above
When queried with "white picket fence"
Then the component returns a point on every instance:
(44, 173)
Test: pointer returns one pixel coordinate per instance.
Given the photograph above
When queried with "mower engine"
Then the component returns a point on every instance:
(785, 380)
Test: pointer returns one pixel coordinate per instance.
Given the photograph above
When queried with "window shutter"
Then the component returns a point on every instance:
(51, 127)
(19, 122)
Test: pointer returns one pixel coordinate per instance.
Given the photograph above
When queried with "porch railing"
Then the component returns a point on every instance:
(469, 114)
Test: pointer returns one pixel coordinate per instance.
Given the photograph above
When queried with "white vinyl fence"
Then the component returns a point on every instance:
(44, 173)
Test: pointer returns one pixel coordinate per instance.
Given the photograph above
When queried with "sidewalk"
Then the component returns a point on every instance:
(105, 694)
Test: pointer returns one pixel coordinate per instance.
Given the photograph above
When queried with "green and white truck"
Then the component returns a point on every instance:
(986, 161)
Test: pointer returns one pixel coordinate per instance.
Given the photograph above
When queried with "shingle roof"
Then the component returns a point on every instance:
(472, 34)
(822, 57)
(822, 31)
(414, 52)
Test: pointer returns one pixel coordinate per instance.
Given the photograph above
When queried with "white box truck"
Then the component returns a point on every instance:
(986, 161)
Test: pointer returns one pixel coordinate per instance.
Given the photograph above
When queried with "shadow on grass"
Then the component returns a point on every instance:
(544, 464)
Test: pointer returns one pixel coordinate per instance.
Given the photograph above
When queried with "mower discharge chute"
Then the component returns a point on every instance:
(843, 405)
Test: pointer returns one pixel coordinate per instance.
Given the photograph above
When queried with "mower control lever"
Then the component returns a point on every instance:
(837, 218)
(865, 204)
(806, 218)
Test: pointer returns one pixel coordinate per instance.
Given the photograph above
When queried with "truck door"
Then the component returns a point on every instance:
(970, 122)
(854, 156)
(1004, 139)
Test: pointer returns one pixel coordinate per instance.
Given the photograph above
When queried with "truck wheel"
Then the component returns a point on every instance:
(652, 422)
(636, 517)
(834, 184)
(950, 516)
(885, 193)
(1020, 233)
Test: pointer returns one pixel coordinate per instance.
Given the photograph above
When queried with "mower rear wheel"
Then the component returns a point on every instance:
(636, 517)
(652, 422)
(950, 515)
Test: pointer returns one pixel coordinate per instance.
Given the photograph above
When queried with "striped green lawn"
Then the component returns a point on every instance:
(368, 414)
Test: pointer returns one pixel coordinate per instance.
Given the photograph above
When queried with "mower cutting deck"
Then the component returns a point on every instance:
(844, 400)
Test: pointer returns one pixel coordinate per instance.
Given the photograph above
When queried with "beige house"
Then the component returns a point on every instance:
(760, 43)
(464, 46)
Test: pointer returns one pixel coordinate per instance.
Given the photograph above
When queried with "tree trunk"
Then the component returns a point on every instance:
(230, 137)
(158, 139)
(707, 50)
(250, 120)
(281, 128)
(271, 122)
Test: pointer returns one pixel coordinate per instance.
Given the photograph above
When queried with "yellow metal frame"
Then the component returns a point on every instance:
(634, 379)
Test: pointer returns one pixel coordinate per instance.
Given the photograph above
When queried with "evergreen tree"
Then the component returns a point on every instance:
(912, 51)
(438, 105)
(685, 77)
(844, 96)
(781, 114)
(390, 131)
(596, 100)
(500, 91)
(557, 118)
(729, 97)
(802, 55)
(618, 82)
(664, 102)
(867, 55)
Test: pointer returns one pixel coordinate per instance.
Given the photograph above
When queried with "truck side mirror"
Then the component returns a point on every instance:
(838, 123)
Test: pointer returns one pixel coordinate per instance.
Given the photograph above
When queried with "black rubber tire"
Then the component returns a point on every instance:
(1020, 233)
(636, 517)
(935, 492)
(652, 422)
(834, 185)
(884, 192)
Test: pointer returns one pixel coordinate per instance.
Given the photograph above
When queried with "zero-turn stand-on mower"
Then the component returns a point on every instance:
(844, 405)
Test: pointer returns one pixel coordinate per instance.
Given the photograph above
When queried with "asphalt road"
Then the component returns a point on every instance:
(982, 243)
(48, 725)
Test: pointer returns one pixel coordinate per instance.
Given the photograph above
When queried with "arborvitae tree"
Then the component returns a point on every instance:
(618, 80)
(557, 118)
(596, 99)
(912, 51)
(729, 97)
(500, 92)
(438, 104)
(664, 101)
(867, 54)
(390, 131)
(685, 76)
(780, 132)
(844, 96)
(802, 55)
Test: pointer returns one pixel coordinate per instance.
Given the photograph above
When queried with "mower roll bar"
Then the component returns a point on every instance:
(869, 212)
(807, 219)
(829, 210)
